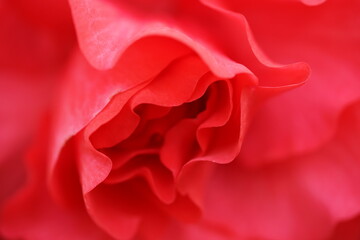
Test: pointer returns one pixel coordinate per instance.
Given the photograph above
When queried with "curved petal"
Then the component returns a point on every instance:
(327, 38)
(106, 30)
(33, 214)
(180, 77)
(112, 208)
(179, 145)
(148, 166)
(78, 106)
(304, 197)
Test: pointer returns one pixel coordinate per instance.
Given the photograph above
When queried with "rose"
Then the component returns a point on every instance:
(140, 91)
(174, 92)
(88, 112)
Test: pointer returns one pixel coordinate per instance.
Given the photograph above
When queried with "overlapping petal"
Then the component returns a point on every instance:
(326, 37)
(136, 60)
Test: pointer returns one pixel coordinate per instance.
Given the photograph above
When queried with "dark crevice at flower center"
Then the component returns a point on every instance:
(196, 107)
(142, 149)
(156, 140)
(163, 141)
(157, 120)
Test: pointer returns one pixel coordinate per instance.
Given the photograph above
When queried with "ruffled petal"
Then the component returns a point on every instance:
(215, 45)
(327, 38)
(79, 106)
(148, 166)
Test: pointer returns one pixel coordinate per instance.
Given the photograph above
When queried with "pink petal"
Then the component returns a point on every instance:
(112, 208)
(157, 176)
(33, 214)
(327, 38)
(304, 197)
(113, 27)
(30, 60)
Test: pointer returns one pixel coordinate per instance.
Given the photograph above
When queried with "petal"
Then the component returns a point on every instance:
(112, 208)
(332, 173)
(180, 77)
(327, 38)
(179, 145)
(115, 25)
(156, 175)
(77, 104)
(33, 214)
(218, 112)
(303, 197)
(123, 125)
(347, 230)
(267, 204)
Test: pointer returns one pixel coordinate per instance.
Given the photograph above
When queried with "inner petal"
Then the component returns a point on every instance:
(149, 167)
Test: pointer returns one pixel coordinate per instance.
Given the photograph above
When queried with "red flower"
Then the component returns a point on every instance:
(167, 122)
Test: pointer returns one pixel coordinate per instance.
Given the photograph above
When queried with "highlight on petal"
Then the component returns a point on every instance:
(313, 2)
(190, 26)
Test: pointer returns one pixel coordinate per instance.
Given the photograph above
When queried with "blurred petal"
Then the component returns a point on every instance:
(33, 214)
(347, 230)
(30, 61)
(304, 197)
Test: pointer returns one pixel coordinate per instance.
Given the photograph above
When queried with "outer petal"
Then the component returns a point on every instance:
(32, 212)
(18, 123)
(326, 37)
(114, 25)
(301, 199)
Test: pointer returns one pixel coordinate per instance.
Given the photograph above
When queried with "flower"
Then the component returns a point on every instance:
(168, 122)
